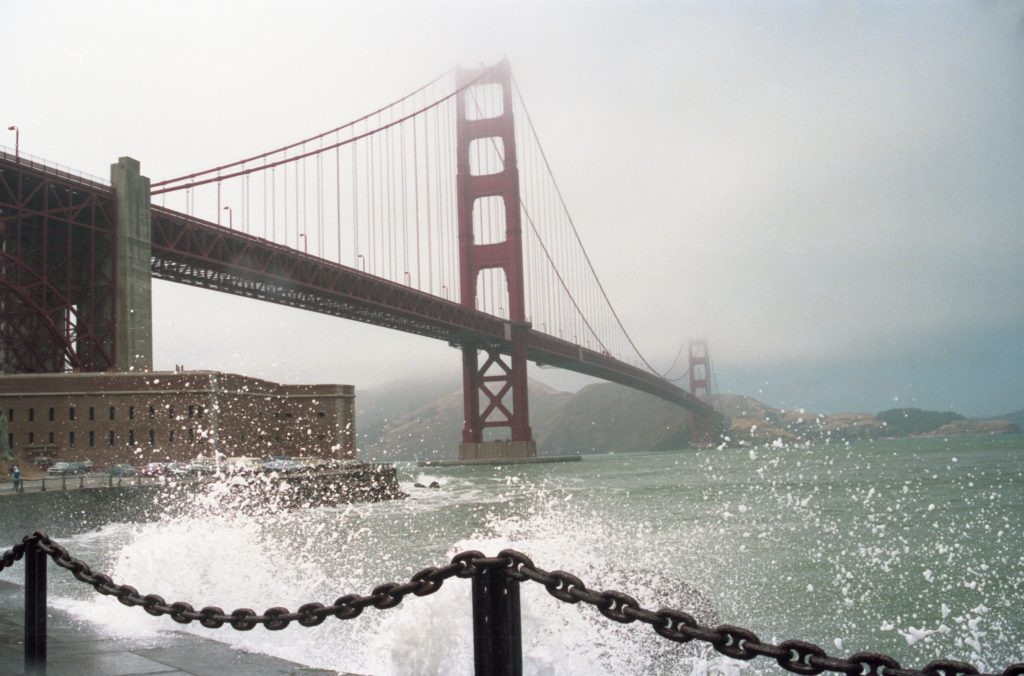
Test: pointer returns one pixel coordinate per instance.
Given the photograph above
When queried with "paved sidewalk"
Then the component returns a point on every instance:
(79, 649)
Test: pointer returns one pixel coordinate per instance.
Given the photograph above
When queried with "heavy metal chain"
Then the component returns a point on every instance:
(799, 657)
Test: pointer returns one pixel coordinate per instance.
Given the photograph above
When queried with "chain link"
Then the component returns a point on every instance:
(799, 657)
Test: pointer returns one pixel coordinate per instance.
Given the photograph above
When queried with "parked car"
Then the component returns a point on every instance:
(152, 469)
(43, 461)
(176, 469)
(201, 466)
(241, 465)
(121, 470)
(312, 463)
(285, 465)
(65, 468)
(59, 469)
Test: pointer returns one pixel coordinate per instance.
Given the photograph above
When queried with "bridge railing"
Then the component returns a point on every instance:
(52, 168)
(497, 627)
(71, 482)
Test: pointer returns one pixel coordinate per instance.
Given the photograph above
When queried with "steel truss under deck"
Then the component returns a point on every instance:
(56, 271)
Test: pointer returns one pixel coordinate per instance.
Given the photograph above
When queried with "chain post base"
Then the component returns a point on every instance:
(497, 629)
(35, 608)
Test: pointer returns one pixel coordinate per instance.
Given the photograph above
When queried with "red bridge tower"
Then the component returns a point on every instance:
(494, 392)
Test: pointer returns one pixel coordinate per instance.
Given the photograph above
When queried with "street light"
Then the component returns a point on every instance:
(361, 262)
(17, 142)
(231, 218)
(305, 242)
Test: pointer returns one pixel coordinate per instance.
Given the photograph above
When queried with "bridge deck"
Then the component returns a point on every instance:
(192, 251)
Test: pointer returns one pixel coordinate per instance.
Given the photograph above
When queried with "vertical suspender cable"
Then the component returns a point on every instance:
(407, 274)
(416, 200)
(453, 164)
(426, 190)
(245, 205)
(355, 206)
(337, 195)
(371, 201)
(392, 212)
(320, 201)
(301, 219)
(439, 188)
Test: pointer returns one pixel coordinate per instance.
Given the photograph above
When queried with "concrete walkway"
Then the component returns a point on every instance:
(74, 648)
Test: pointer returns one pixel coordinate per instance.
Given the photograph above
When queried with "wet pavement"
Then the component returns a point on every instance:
(77, 648)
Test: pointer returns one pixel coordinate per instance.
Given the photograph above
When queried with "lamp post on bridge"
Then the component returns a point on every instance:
(361, 262)
(17, 142)
(305, 242)
(231, 218)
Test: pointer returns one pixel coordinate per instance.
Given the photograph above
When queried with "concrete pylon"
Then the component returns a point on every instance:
(133, 307)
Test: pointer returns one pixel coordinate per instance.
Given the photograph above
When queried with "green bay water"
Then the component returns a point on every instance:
(910, 547)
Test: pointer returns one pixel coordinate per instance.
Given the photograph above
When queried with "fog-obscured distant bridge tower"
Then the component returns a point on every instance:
(498, 385)
(703, 430)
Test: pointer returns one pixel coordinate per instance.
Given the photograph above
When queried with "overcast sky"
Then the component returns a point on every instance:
(832, 194)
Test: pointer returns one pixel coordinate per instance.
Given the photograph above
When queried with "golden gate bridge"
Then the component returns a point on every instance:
(436, 214)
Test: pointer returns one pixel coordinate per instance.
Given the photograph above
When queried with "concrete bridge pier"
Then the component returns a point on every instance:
(133, 304)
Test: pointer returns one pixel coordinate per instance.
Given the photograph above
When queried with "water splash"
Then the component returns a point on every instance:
(793, 543)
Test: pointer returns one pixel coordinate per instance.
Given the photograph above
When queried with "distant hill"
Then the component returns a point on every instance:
(753, 422)
(604, 417)
(413, 420)
(378, 408)
(901, 422)
(421, 422)
(1017, 417)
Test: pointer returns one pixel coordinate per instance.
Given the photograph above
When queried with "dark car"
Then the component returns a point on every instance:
(65, 468)
(121, 470)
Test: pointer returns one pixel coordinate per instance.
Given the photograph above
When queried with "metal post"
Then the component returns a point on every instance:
(35, 608)
(497, 631)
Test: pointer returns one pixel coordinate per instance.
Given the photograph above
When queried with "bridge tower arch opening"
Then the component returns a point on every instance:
(494, 374)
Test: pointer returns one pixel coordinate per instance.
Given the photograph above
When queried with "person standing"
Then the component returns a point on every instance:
(16, 478)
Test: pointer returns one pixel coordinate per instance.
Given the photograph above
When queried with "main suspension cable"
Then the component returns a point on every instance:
(575, 232)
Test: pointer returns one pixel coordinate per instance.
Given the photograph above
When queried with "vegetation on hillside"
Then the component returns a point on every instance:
(901, 422)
